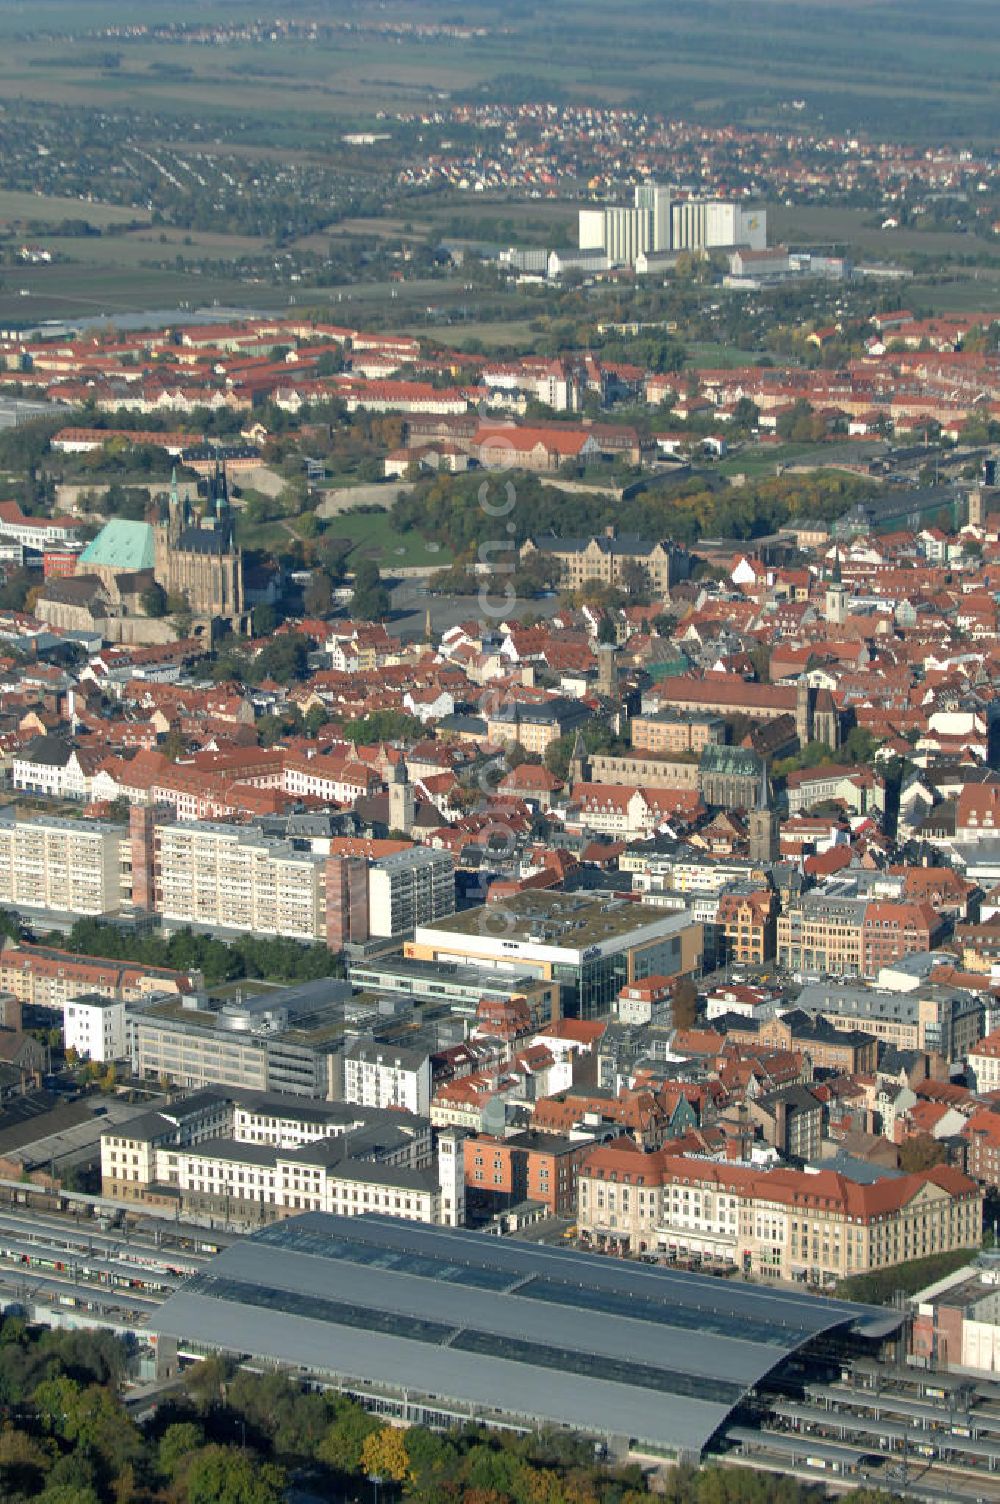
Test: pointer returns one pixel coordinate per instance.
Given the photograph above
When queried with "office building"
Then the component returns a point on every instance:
(665, 731)
(607, 556)
(939, 1020)
(501, 1173)
(460, 988)
(289, 1040)
(778, 1224)
(535, 724)
(591, 947)
(834, 935)
(245, 1158)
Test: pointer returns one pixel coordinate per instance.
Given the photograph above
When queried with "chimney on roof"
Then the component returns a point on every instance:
(611, 531)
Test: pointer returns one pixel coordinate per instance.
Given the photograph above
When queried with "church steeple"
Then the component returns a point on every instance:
(175, 517)
(763, 826)
(577, 771)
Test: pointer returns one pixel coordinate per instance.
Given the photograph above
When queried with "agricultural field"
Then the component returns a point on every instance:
(860, 231)
(213, 164)
(714, 59)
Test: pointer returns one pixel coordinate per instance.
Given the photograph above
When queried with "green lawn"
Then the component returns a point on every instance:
(269, 536)
(375, 536)
(708, 356)
(756, 462)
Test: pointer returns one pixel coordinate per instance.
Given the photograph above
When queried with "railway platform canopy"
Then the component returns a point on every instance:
(457, 1322)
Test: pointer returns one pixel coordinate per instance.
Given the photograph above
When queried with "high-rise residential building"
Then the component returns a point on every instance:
(227, 877)
(410, 888)
(50, 866)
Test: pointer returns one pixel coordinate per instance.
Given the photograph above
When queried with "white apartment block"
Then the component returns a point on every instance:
(94, 1027)
(383, 1075)
(410, 888)
(220, 877)
(64, 866)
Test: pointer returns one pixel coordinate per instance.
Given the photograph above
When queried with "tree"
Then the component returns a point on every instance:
(154, 600)
(317, 598)
(433, 1465)
(23, 1464)
(760, 657)
(384, 1452)
(283, 659)
(921, 1152)
(264, 618)
(384, 726)
(514, 755)
(173, 744)
(14, 591)
(684, 1004)
(370, 601)
(745, 415)
(90, 1419)
(634, 580)
(341, 1447)
(177, 1444)
(68, 1493)
(225, 1475)
(316, 717)
(860, 745)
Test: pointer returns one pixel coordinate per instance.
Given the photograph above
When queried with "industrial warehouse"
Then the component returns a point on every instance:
(439, 1325)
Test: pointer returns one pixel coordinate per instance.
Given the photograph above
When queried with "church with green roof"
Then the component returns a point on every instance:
(120, 546)
(191, 556)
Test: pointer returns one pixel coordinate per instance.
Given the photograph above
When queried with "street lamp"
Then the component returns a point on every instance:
(375, 1480)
